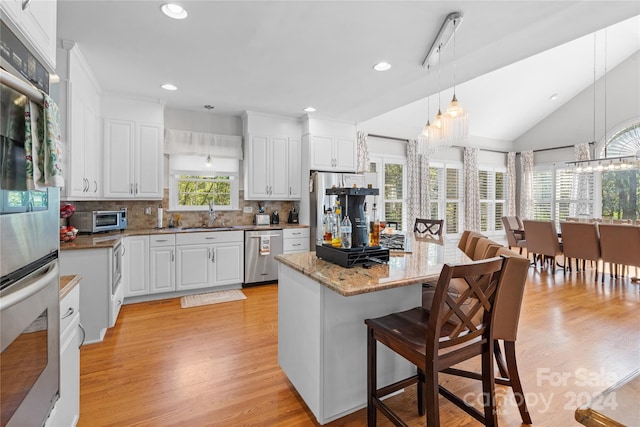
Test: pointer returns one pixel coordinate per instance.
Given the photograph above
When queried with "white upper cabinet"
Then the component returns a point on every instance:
(34, 22)
(79, 103)
(331, 144)
(133, 149)
(272, 157)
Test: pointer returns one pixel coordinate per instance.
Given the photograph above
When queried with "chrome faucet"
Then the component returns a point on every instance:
(212, 213)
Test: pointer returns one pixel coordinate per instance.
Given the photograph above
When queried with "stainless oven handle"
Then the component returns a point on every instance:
(37, 285)
(84, 334)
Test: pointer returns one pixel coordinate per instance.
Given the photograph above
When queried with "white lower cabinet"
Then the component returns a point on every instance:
(135, 262)
(295, 240)
(67, 409)
(209, 259)
(162, 264)
(95, 267)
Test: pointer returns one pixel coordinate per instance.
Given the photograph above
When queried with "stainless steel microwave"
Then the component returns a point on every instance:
(98, 221)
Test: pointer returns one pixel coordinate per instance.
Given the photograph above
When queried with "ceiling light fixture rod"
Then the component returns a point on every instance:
(449, 27)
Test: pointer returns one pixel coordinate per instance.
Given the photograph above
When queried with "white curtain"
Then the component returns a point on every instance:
(511, 183)
(413, 184)
(581, 184)
(363, 153)
(471, 189)
(526, 186)
(425, 187)
(202, 144)
(418, 184)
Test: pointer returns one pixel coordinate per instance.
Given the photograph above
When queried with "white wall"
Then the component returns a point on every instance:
(573, 122)
(202, 122)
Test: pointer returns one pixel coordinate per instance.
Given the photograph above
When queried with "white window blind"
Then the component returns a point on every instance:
(446, 195)
(492, 191)
(542, 194)
(560, 193)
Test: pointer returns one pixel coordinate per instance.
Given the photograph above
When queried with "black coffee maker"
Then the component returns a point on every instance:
(275, 217)
(293, 215)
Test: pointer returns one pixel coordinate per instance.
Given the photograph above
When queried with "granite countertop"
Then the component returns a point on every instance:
(110, 239)
(67, 283)
(422, 264)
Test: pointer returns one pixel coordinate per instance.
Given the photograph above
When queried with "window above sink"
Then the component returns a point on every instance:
(192, 185)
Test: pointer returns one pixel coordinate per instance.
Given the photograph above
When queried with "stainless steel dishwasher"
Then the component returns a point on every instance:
(260, 249)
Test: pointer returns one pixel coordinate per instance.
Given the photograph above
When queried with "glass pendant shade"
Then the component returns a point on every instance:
(455, 122)
(454, 108)
(209, 162)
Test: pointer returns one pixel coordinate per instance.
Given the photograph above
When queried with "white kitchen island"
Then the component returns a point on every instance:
(321, 330)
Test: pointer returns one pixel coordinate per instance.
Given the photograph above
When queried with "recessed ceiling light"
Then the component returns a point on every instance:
(382, 66)
(309, 110)
(174, 11)
(169, 86)
(553, 97)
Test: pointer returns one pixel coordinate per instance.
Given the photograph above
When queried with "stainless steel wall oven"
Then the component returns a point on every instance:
(29, 275)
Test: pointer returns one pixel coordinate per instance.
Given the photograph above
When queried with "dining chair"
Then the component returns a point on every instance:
(485, 248)
(471, 242)
(505, 329)
(463, 239)
(437, 338)
(513, 240)
(580, 241)
(431, 226)
(620, 245)
(393, 224)
(542, 241)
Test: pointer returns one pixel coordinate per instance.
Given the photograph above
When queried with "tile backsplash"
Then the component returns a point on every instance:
(138, 219)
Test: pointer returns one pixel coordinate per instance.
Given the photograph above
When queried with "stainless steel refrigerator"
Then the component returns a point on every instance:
(319, 201)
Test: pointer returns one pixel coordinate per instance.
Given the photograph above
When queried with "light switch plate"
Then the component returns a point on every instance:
(147, 210)
(247, 209)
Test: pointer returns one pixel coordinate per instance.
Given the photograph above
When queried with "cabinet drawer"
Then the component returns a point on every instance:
(296, 233)
(209, 237)
(296, 245)
(69, 307)
(162, 240)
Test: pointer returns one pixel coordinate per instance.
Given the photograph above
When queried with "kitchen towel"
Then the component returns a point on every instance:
(265, 245)
(43, 145)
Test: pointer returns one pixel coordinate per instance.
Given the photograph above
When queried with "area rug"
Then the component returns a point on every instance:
(211, 298)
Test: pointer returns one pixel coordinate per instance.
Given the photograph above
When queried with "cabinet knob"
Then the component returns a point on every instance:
(69, 312)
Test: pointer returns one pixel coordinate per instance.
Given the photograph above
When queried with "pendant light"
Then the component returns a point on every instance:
(429, 138)
(456, 119)
(208, 163)
(439, 137)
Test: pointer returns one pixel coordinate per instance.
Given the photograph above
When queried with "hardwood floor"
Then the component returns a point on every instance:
(216, 365)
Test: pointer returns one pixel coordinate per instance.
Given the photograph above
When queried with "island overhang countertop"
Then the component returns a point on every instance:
(422, 264)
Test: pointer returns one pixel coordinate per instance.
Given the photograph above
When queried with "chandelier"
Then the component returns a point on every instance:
(627, 158)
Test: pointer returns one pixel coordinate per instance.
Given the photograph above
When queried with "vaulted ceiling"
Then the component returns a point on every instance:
(282, 56)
